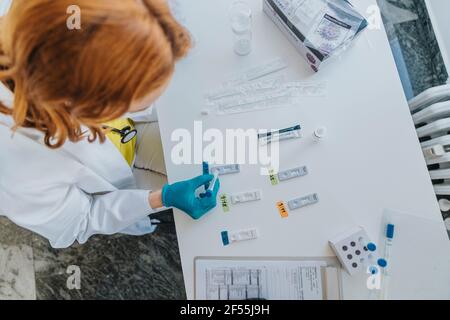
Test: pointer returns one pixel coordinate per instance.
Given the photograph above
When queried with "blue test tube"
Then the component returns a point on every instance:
(205, 170)
(210, 189)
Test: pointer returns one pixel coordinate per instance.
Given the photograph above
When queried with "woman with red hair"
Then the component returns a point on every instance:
(72, 117)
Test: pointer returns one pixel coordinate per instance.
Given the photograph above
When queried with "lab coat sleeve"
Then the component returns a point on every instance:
(121, 211)
(68, 214)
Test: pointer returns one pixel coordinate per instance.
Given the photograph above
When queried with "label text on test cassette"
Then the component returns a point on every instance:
(273, 177)
(282, 209)
(224, 203)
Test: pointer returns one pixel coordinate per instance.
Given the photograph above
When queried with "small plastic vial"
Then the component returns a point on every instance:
(241, 25)
(320, 133)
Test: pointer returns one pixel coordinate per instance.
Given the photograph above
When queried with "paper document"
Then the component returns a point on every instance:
(268, 280)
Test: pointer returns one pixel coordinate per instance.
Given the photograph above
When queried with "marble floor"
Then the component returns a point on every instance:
(114, 267)
(414, 45)
(124, 267)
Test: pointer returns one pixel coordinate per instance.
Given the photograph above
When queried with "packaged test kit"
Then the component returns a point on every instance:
(319, 29)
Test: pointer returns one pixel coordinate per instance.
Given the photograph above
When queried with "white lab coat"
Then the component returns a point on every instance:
(71, 193)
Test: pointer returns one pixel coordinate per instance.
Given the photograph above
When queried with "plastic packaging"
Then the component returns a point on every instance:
(334, 27)
(318, 29)
(245, 89)
(257, 72)
(272, 96)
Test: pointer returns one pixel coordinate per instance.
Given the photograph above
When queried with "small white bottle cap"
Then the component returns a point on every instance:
(444, 204)
(320, 133)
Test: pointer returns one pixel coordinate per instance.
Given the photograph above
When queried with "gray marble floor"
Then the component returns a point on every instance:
(115, 267)
(416, 42)
(17, 277)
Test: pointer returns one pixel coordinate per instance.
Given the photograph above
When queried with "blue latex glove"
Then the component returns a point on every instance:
(181, 195)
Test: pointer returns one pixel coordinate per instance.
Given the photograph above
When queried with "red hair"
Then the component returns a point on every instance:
(64, 79)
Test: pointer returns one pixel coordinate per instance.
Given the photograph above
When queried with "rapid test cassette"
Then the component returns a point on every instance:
(225, 169)
(229, 237)
(247, 196)
(354, 250)
(292, 173)
(238, 198)
(297, 204)
(303, 201)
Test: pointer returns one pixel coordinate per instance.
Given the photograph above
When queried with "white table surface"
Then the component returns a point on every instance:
(371, 159)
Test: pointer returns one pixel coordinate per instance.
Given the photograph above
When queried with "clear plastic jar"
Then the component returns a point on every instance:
(241, 25)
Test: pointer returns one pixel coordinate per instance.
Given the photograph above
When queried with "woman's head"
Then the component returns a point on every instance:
(122, 58)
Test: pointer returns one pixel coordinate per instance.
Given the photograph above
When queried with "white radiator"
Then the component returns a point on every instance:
(431, 114)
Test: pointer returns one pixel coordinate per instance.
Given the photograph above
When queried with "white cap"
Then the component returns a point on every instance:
(320, 133)
(444, 204)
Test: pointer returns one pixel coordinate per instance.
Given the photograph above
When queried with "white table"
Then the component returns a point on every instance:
(371, 159)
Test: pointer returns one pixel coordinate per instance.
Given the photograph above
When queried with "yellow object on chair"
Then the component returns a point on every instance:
(128, 150)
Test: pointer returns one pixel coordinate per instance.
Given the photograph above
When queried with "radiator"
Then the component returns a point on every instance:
(431, 114)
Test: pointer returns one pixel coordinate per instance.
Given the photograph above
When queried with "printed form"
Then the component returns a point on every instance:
(264, 279)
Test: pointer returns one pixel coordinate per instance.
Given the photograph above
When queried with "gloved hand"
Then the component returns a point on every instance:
(181, 195)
